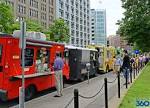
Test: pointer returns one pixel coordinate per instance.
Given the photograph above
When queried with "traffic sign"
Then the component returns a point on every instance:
(136, 51)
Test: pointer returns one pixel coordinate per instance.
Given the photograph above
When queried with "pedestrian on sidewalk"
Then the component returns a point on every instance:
(117, 63)
(58, 66)
(140, 61)
(126, 65)
(146, 59)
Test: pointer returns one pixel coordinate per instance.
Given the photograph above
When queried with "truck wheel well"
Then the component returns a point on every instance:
(33, 86)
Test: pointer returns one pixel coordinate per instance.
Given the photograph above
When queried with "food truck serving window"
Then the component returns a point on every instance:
(0, 53)
(29, 54)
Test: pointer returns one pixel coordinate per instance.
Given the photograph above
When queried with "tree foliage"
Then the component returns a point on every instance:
(8, 23)
(32, 25)
(135, 26)
(6, 17)
(58, 31)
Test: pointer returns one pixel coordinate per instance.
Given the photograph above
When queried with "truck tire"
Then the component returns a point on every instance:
(29, 93)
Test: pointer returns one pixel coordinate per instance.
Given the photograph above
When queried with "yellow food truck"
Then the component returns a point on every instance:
(105, 57)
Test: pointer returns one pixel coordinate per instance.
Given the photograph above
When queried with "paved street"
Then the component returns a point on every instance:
(85, 89)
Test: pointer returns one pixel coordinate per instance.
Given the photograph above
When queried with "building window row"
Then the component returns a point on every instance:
(43, 7)
(22, 1)
(10, 3)
(51, 2)
(67, 7)
(20, 18)
(51, 18)
(43, 16)
(51, 10)
(43, 24)
(21, 9)
(33, 13)
(44, 1)
(34, 3)
(61, 13)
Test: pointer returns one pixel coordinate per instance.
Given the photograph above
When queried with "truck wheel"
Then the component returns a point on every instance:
(29, 92)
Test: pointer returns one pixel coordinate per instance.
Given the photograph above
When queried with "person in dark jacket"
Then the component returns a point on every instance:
(126, 66)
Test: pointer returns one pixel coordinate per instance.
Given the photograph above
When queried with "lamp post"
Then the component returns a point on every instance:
(22, 45)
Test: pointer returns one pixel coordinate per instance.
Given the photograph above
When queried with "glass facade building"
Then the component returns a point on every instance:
(98, 26)
(76, 13)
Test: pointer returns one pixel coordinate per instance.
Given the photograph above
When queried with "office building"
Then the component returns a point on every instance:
(114, 40)
(76, 13)
(118, 41)
(98, 26)
(40, 10)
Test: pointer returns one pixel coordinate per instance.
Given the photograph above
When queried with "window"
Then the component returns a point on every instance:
(61, 13)
(67, 15)
(51, 18)
(72, 40)
(44, 0)
(72, 2)
(67, 7)
(61, 4)
(51, 10)
(43, 16)
(43, 7)
(22, 1)
(33, 13)
(51, 2)
(29, 55)
(43, 55)
(21, 9)
(0, 53)
(34, 3)
(43, 24)
(10, 3)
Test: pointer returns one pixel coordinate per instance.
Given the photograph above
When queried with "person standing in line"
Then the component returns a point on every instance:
(117, 64)
(132, 61)
(146, 59)
(140, 61)
(126, 66)
(143, 60)
(58, 66)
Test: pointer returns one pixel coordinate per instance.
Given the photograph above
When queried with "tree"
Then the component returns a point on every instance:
(32, 25)
(135, 26)
(8, 24)
(6, 17)
(58, 31)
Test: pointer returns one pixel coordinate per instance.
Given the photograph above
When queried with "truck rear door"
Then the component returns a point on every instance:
(2, 56)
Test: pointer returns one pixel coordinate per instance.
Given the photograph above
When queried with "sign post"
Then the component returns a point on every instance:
(22, 46)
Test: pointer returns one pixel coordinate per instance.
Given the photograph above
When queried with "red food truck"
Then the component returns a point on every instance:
(39, 59)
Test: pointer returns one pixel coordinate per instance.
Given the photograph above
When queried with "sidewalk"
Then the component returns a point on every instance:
(113, 100)
(49, 101)
(124, 91)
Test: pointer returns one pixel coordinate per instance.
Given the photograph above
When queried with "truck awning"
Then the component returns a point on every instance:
(38, 44)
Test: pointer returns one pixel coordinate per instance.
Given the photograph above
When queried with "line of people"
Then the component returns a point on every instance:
(126, 63)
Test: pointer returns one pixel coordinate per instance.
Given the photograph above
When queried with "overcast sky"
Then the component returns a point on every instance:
(113, 13)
